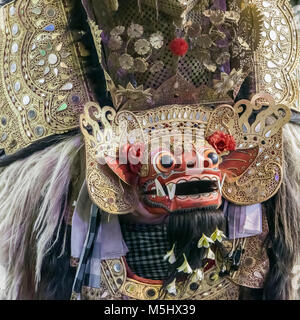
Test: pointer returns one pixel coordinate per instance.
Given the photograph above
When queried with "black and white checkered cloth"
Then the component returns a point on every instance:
(147, 246)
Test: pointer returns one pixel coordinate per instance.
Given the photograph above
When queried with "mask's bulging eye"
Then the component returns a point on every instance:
(213, 157)
(165, 162)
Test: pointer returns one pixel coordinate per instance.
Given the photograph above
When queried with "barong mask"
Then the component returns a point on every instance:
(167, 64)
(180, 157)
(176, 72)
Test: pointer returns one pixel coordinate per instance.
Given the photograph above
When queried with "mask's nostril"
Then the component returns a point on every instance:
(191, 164)
(206, 163)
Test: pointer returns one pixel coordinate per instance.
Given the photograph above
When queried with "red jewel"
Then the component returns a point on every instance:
(179, 46)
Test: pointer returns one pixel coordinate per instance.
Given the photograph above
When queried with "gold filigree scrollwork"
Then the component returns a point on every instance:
(41, 79)
(116, 283)
(277, 57)
(105, 188)
(96, 126)
(268, 118)
(257, 128)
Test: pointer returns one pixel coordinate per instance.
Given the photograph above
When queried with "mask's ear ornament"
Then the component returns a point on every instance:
(106, 188)
(254, 169)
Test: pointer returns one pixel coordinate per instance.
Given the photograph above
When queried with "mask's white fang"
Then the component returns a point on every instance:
(220, 185)
(171, 190)
(159, 189)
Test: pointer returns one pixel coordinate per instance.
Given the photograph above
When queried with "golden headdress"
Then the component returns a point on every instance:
(178, 59)
(227, 41)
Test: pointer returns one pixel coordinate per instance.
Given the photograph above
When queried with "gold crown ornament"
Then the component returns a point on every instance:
(174, 52)
(42, 88)
(181, 65)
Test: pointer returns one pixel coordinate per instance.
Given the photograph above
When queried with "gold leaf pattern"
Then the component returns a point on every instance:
(118, 30)
(140, 65)
(135, 31)
(126, 61)
(36, 58)
(250, 26)
(157, 66)
(142, 46)
(157, 40)
(115, 42)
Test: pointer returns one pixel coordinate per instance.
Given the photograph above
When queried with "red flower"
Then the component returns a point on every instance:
(133, 155)
(222, 142)
(179, 46)
(135, 152)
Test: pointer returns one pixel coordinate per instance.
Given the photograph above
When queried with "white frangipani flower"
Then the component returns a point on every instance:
(218, 235)
(171, 288)
(185, 267)
(210, 255)
(204, 241)
(170, 256)
(198, 275)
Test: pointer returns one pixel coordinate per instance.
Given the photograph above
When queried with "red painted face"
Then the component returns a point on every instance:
(175, 180)
(188, 180)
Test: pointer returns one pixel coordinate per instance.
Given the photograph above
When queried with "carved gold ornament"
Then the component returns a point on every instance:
(105, 188)
(139, 48)
(42, 89)
(277, 57)
(257, 128)
(261, 38)
(117, 282)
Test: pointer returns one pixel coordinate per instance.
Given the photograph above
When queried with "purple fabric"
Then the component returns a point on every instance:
(110, 238)
(109, 243)
(220, 4)
(243, 221)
